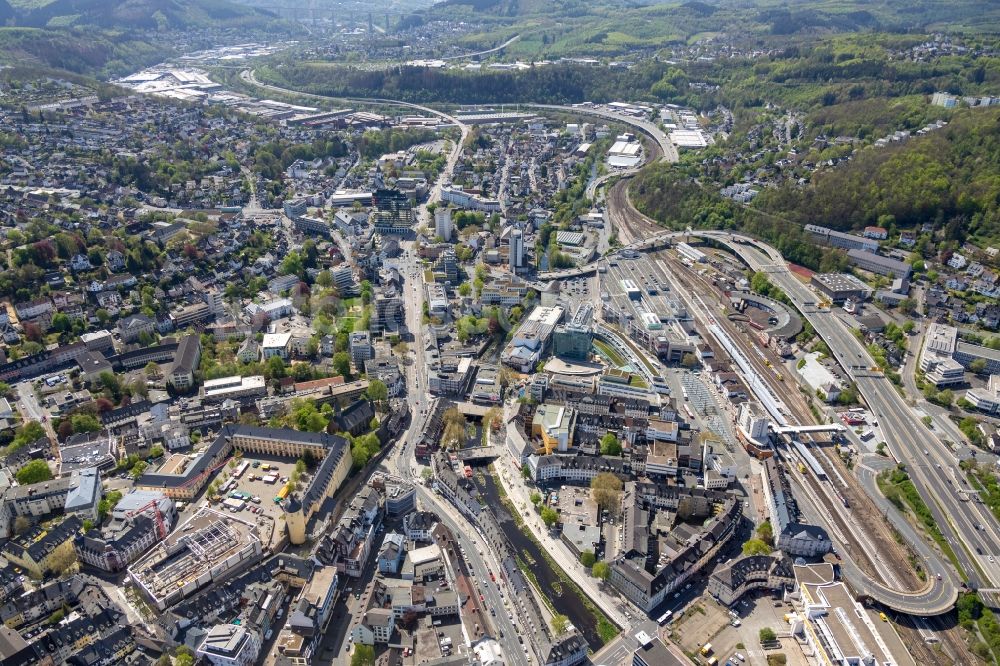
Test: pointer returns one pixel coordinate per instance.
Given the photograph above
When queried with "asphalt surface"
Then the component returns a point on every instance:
(926, 457)
(667, 148)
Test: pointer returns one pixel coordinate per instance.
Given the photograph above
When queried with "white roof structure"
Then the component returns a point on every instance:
(686, 138)
(275, 340)
(425, 554)
(625, 148)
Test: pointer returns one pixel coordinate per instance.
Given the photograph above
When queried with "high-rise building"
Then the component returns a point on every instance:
(442, 223)
(343, 280)
(216, 301)
(516, 250)
(393, 213)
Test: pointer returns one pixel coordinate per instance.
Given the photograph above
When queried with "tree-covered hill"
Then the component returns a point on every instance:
(78, 51)
(141, 14)
(949, 178)
(108, 38)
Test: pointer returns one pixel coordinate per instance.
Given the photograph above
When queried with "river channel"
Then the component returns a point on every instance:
(566, 603)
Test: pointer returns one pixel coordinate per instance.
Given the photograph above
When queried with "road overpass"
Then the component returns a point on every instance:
(970, 530)
(586, 269)
(667, 149)
(939, 595)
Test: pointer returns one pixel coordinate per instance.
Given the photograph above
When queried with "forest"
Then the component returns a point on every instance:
(949, 177)
(673, 199)
(555, 84)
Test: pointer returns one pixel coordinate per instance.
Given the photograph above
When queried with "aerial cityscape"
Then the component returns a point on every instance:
(499, 332)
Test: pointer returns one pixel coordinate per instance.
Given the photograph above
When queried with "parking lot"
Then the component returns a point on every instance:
(265, 512)
(707, 621)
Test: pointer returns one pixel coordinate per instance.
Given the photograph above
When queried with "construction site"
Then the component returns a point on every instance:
(209, 547)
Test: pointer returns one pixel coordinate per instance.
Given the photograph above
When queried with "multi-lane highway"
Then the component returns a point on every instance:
(928, 461)
(967, 526)
(666, 147)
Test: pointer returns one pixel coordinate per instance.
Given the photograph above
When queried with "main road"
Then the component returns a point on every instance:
(972, 535)
(666, 147)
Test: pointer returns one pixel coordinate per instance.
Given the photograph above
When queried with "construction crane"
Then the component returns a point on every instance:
(194, 480)
(161, 528)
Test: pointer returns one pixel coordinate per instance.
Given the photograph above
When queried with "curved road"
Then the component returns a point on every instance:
(495, 49)
(940, 595)
(667, 149)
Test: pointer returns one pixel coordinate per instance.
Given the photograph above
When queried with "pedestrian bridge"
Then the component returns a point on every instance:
(796, 430)
(479, 453)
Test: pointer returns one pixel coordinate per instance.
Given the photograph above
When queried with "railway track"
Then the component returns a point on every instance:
(631, 224)
(872, 546)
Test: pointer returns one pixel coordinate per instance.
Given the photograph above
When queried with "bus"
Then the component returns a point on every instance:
(663, 619)
(282, 494)
(688, 411)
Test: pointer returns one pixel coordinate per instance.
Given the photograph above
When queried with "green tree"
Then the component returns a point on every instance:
(29, 433)
(111, 385)
(183, 656)
(138, 469)
(35, 471)
(306, 418)
(364, 655)
(85, 423)
(689, 361)
(587, 559)
(536, 498)
(767, 635)
(61, 322)
(978, 366)
(342, 364)
(549, 516)
(275, 367)
(455, 426)
(610, 446)
(756, 547)
(765, 532)
(560, 623)
(601, 570)
(606, 489)
(377, 391)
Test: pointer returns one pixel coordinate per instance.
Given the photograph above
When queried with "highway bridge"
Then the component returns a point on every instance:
(939, 595)
(967, 526)
(667, 149)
